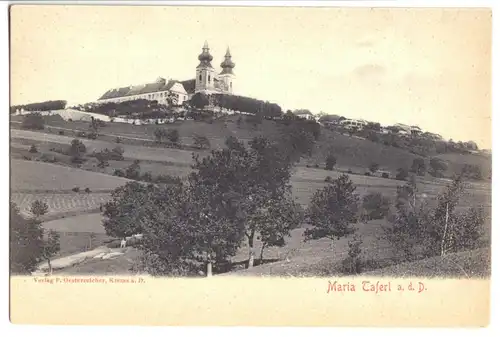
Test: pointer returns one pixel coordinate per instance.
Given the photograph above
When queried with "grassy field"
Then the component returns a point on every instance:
(39, 176)
(351, 152)
(469, 264)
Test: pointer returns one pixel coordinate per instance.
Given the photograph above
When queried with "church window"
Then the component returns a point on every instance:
(208, 78)
(200, 77)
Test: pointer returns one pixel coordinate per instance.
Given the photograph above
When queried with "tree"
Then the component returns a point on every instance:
(375, 206)
(408, 228)
(33, 121)
(444, 220)
(332, 211)
(51, 247)
(26, 242)
(133, 171)
(199, 101)
(33, 149)
(77, 148)
(418, 166)
(330, 162)
(254, 177)
(173, 136)
(277, 221)
(374, 167)
(38, 208)
(402, 174)
(160, 135)
(201, 142)
(437, 167)
(124, 211)
(472, 172)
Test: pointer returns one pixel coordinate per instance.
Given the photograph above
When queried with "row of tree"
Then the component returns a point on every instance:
(236, 103)
(40, 106)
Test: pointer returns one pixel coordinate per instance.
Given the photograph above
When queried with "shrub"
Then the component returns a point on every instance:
(385, 175)
(330, 162)
(402, 174)
(373, 167)
(87, 190)
(328, 179)
(316, 165)
(437, 167)
(173, 136)
(368, 174)
(167, 179)
(133, 171)
(353, 263)
(92, 135)
(33, 149)
(61, 132)
(147, 177)
(47, 158)
(76, 189)
(118, 173)
(118, 140)
(375, 206)
(349, 171)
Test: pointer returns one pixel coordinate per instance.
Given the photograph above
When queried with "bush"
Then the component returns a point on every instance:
(349, 171)
(374, 207)
(118, 173)
(147, 177)
(316, 165)
(368, 174)
(167, 179)
(373, 167)
(47, 158)
(328, 179)
(173, 136)
(33, 121)
(87, 190)
(118, 140)
(385, 175)
(402, 174)
(61, 132)
(330, 162)
(92, 135)
(33, 149)
(353, 264)
(76, 189)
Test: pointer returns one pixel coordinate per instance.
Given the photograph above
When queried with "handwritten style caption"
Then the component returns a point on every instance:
(376, 287)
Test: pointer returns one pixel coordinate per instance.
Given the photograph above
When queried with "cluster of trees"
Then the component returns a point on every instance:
(235, 195)
(236, 103)
(418, 230)
(104, 156)
(30, 244)
(133, 172)
(40, 106)
(171, 136)
(139, 108)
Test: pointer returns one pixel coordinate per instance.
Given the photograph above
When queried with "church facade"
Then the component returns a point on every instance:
(208, 80)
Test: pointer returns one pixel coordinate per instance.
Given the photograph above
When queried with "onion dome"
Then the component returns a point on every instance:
(205, 58)
(227, 65)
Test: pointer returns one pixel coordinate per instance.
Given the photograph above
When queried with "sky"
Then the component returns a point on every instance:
(425, 67)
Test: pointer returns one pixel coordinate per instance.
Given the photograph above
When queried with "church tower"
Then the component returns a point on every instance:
(227, 76)
(205, 73)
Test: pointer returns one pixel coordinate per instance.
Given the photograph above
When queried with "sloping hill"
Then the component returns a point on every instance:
(469, 264)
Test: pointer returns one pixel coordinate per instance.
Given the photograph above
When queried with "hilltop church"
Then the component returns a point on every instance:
(207, 81)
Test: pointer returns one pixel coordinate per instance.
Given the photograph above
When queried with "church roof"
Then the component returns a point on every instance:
(139, 89)
(189, 85)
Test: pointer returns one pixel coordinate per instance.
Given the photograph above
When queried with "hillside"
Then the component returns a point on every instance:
(353, 153)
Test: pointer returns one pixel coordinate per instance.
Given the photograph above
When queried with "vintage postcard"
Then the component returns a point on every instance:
(271, 166)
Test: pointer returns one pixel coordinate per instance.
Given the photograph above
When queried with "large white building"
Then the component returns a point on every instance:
(207, 80)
